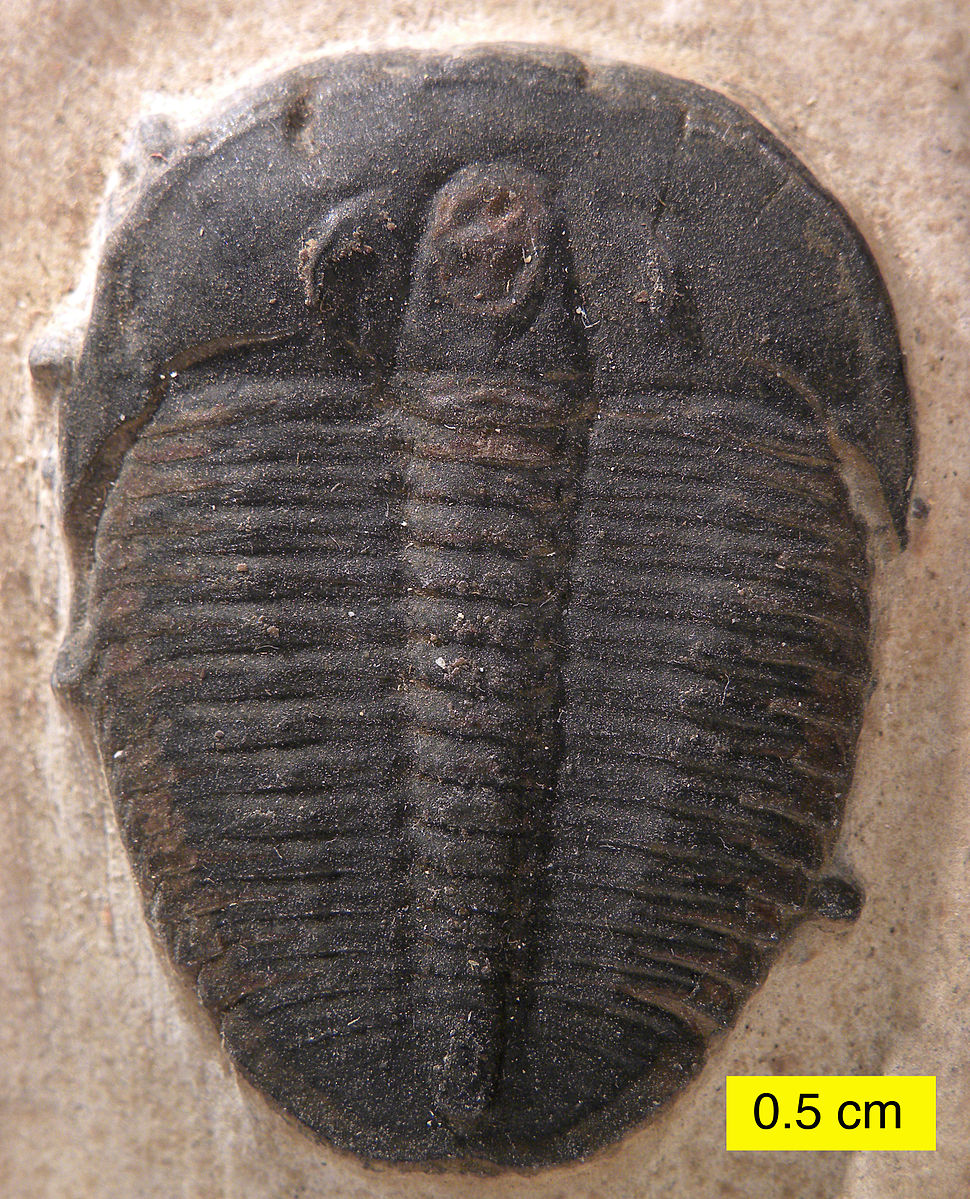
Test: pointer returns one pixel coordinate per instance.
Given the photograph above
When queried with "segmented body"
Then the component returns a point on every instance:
(474, 733)
(712, 692)
(478, 686)
(245, 665)
(490, 488)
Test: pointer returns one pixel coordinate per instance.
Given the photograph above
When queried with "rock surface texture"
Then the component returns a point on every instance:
(472, 528)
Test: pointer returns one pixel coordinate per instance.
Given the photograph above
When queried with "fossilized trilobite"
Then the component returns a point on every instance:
(470, 609)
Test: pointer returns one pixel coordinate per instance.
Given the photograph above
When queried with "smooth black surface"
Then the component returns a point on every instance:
(470, 608)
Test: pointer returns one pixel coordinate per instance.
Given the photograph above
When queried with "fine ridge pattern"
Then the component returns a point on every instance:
(483, 724)
(449, 750)
(470, 608)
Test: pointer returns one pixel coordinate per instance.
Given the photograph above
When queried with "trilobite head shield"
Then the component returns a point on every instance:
(471, 609)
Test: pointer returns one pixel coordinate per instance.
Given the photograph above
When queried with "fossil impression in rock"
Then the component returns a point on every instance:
(471, 591)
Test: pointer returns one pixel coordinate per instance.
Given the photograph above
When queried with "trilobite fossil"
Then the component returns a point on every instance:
(470, 606)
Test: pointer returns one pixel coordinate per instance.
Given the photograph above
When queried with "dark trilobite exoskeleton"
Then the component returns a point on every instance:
(471, 610)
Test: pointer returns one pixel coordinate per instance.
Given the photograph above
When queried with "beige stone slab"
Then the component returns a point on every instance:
(111, 1083)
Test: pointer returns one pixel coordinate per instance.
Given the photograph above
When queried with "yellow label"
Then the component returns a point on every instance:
(831, 1111)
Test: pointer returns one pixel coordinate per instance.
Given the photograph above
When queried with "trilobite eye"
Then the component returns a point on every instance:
(351, 264)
